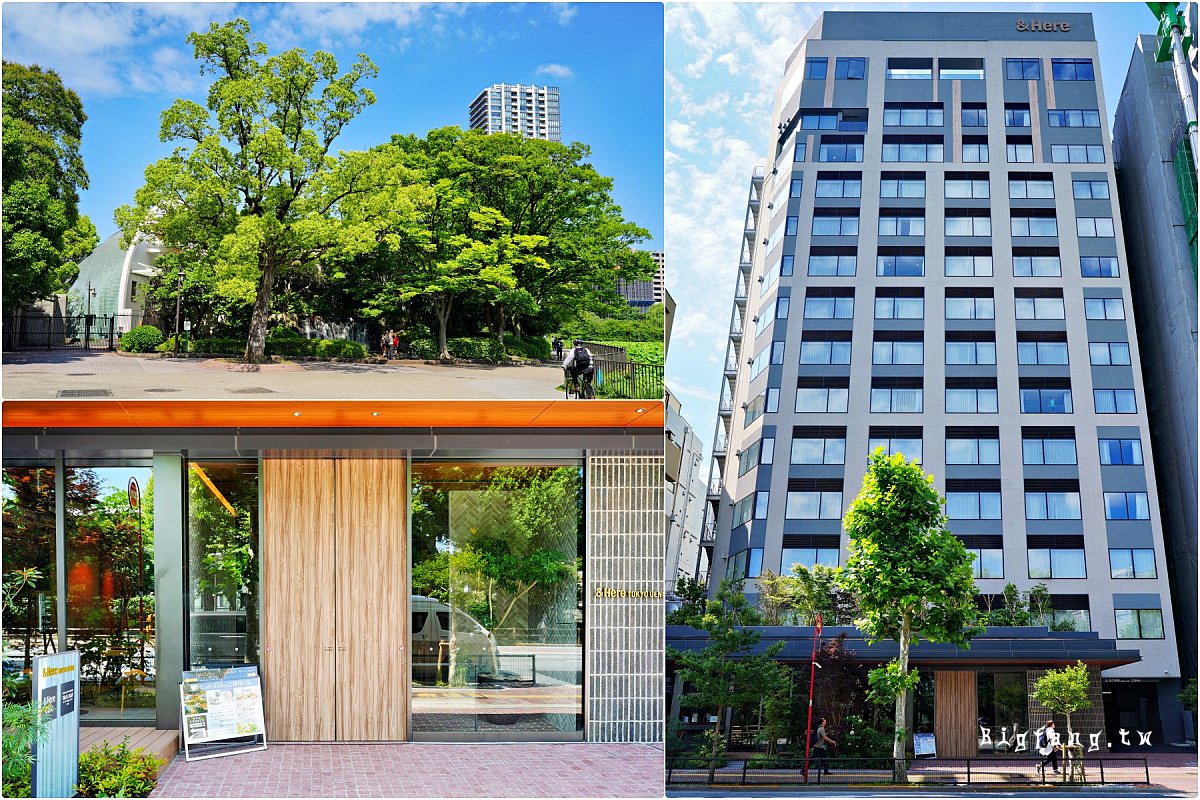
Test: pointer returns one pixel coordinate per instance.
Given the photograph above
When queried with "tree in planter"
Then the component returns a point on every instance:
(1064, 691)
(801, 595)
(912, 578)
(1187, 699)
(724, 675)
(694, 595)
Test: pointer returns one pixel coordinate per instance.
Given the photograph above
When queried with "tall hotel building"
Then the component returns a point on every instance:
(531, 111)
(934, 262)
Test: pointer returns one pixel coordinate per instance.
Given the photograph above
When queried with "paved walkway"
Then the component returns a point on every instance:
(423, 770)
(46, 375)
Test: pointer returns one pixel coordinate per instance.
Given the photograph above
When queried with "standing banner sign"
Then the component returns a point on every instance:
(924, 745)
(56, 757)
(220, 705)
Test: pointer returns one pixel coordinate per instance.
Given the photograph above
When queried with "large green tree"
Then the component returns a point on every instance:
(912, 578)
(44, 234)
(252, 193)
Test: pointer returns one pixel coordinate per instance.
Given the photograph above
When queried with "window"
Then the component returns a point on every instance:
(1109, 354)
(1077, 153)
(899, 308)
(833, 150)
(974, 117)
(1040, 308)
(897, 401)
(797, 187)
(850, 69)
(1092, 227)
(1126, 505)
(1052, 505)
(1072, 69)
(1046, 401)
(1036, 266)
(1139, 623)
(898, 353)
(838, 186)
(828, 307)
(808, 557)
(816, 68)
(819, 120)
(1016, 69)
(989, 563)
(1103, 308)
(801, 151)
(967, 225)
(1018, 152)
(1030, 188)
(819, 451)
(1114, 401)
(914, 115)
(1031, 225)
(766, 402)
(917, 151)
(818, 352)
(761, 451)
(1057, 563)
(974, 150)
(1074, 118)
(909, 448)
(1120, 451)
(971, 401)
(1048, 451)
(1016, 115)
(970, 353)
(1050, 353)
(786, 265)
(1131, 563)
(769, 277)
(967, 266)
(830, 225)
(761, 360)
(822, 400)
(972, 451)
(910, 68)
(1090, 190)
(894, 184)
(823, 264)
(960, 69)
(792, 223)
(901, 225)
(974, 188)
(752, 506)
(814, 505)
(973, 505)
(970, 308)
(754, 563)
(899, 265)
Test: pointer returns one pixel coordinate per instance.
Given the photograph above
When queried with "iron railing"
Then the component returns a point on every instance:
(782, 771)
(629, 379)
(78, 332)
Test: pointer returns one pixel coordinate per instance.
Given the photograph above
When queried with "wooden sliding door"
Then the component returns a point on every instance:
(955, 714)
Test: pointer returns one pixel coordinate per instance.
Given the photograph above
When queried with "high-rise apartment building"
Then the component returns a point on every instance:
(530, 111)
(934, 264)
(643, 294)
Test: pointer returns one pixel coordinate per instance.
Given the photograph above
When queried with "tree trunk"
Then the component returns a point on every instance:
(712, 756)
(500, 322)
(900, 772)
(256, 343)
(443, 306)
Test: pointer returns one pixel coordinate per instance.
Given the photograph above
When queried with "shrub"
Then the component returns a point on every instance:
(107, 771)
(423, 348)
(283, 332)
(861, 740)
(219, 346)
(23, 724)
(535, 347)
(480, 348)
(340, 348)
(142, 339)
(168, 345)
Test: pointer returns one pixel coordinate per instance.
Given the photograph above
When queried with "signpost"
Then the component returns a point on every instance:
(56, 757)
(812, 679)
(219, 706)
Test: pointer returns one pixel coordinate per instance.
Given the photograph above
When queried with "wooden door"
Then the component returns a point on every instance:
(372, 600)
(297, 601)
(955, 714)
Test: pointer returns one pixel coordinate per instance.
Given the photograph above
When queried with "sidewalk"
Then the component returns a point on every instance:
(46, 375)
(423, 770)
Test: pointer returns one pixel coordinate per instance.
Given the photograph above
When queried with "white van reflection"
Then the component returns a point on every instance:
(475, 653)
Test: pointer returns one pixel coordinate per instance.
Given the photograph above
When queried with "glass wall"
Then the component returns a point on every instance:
(30, 619)
(497, 607)
(1003, 710)
(110, 589)
(222, 528)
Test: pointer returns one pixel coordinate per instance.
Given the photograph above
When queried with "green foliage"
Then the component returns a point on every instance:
(1188, 696)
(694, 594)
(339, 348)
(218, 346)
(108, 771)
(168, 345)
(635, 328)
(24, 724)
(643, 352)
(795, 599)
(431, 577)
(142, 339)
(1022, 609)
(890, 681)
(860, 739)
(1064, 691)
(42, 176)
(475, 349)
(532, 347)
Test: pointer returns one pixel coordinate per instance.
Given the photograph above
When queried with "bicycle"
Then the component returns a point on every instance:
(572, 386)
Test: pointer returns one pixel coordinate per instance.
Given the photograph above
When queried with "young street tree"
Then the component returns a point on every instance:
(252, 193)
(913, 579)
(1064, 691)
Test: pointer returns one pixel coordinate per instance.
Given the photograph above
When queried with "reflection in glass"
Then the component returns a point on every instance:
(30, 625)
(1003, 713)
(497, 620)
(223, 563)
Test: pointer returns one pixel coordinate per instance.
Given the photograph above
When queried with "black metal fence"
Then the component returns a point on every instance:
(79, 332)
(785, 771)
(628, 379)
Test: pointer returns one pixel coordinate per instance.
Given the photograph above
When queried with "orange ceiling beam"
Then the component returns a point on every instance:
(44, 414)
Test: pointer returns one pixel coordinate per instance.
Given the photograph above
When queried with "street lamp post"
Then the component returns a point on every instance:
(178, 307)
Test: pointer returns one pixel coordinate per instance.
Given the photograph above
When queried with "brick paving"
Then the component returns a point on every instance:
(423, 770)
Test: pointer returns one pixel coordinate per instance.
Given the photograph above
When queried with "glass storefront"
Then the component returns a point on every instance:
(497, 606)
(30, 623)
(1002, 702)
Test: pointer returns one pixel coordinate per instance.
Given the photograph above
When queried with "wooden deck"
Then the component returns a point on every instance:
(162, 744)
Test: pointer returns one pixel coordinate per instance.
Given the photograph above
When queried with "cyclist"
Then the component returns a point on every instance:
(578, 364)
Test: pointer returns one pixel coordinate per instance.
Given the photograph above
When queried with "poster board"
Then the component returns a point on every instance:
(221, 712)
(56, 757)
(924, 745)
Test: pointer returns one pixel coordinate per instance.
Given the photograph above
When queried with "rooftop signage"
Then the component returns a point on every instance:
(1040, 26)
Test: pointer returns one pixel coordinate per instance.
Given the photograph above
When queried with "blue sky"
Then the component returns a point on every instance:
(724, 62)
(128, 62)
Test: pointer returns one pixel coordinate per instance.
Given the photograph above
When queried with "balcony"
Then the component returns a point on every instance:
(726, 408)
(715, 488)
(708, 534)
(760, 172)
(721, 446)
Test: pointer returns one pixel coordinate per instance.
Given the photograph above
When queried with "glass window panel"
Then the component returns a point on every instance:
(1143, 564)
(1127, 624)
(1120, 563)
(1151, 623)
(30, 614)
(803, 505)
(1059, 451)
(1067, 564)
(1039, 563)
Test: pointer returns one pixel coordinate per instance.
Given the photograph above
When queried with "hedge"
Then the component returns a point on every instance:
(480, 349)
(535, 347)
(142, 339)
(168, 345)
(219, 346)
(320, 348)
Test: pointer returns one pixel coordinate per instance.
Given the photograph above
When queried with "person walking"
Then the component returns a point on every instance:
(821, 748)
(385, 345)
(557, 344)
(395, 345)
(1048, 745)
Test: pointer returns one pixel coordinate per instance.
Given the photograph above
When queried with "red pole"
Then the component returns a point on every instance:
(812, 675)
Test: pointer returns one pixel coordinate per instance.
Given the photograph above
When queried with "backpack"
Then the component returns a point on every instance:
(1041, 739)
(583, 359)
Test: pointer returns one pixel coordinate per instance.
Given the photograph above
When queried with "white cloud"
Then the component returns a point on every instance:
(564, 13)
(555, 70)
